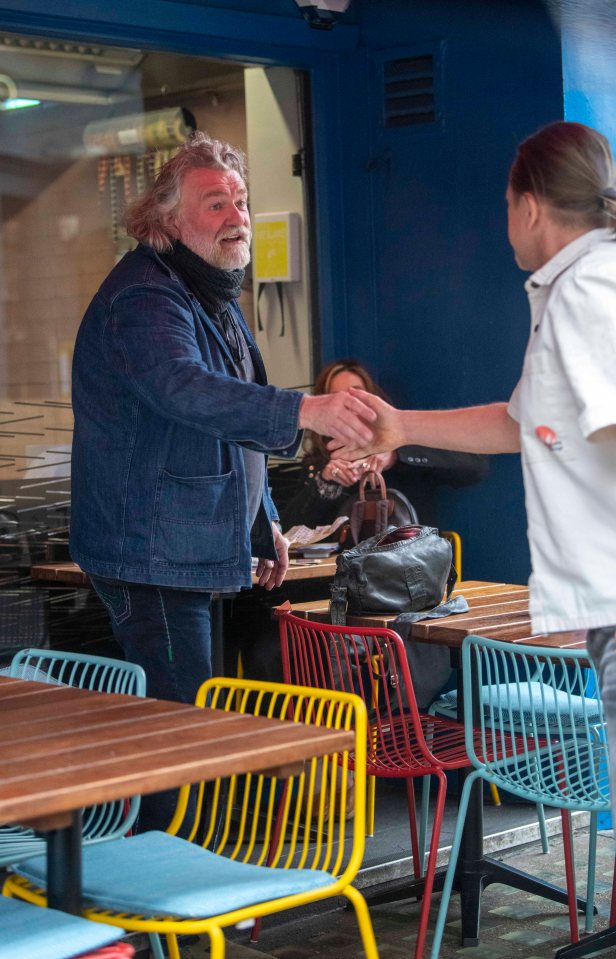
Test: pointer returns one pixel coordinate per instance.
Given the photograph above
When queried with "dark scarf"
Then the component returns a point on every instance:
(214, 288)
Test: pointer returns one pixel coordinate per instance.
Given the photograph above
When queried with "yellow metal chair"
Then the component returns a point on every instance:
(270, 842)
(456, 545)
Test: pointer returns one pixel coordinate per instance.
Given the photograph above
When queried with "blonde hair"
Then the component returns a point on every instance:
(151, 218)
(570, 166)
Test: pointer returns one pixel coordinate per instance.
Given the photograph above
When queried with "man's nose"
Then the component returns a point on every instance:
(238, 217)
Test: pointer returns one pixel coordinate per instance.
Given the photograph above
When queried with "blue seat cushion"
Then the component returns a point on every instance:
(554, 704)
(156, 874)
(30, 932)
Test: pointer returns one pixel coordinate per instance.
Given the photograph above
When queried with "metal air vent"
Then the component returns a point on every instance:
(409, 96)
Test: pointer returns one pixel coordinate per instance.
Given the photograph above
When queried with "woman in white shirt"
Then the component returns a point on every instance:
(561, 201)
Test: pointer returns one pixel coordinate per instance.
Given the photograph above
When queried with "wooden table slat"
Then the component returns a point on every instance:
(183, 744)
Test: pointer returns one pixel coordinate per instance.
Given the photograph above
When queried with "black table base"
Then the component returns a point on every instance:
(476, 877)
(64, 866)
(596, 942)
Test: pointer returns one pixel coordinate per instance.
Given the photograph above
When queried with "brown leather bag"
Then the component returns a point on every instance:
(377, 507)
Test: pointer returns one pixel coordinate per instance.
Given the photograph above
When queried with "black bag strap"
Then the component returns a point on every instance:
(452, 579)
(338, 605)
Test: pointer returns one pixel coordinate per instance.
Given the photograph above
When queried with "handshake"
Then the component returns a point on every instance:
(359, 423)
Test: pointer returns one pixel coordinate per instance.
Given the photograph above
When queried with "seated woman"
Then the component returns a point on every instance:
(320, 497)
(327, 486)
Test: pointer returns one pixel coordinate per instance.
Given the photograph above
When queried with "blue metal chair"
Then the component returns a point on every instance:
(447, 705)
(29, 932)
(102, 822)
(530, 696)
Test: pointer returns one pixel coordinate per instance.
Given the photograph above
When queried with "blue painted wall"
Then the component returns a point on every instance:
(415, 273)
(589, 70)
(434, 298)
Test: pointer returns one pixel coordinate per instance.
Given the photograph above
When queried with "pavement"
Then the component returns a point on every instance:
(514, 925)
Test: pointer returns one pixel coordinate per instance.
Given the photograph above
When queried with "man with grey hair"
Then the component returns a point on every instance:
(173, 423)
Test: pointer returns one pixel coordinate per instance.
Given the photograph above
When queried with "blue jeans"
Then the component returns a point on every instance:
(167, 632)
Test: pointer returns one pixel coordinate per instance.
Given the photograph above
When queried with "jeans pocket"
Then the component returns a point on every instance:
(115, 597)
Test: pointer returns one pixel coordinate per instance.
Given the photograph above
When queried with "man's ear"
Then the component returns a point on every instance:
(169, 221)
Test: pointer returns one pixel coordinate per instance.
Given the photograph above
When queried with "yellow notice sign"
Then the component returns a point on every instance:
(276, 247)
(272, 249)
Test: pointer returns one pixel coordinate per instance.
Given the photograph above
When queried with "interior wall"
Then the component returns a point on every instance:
(282, 326)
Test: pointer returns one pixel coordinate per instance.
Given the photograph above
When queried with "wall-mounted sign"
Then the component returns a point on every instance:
(276, 247)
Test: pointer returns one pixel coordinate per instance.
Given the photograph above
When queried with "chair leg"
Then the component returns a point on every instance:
(613, 902)
(592, 863)
(156, 946)
(543, 830)
(570, 874)
(364, 922)
(172, 946)
(423, 819)
(217, 943)
(430, 870)
(410, 798)
(451, 869)
(370, 804)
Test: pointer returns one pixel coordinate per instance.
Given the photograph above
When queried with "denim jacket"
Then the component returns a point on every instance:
(158, 482)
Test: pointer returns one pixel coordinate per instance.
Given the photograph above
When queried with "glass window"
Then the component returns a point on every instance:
(84, 129)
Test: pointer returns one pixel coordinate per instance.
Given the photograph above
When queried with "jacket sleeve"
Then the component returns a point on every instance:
(150, 342)
(445, 466)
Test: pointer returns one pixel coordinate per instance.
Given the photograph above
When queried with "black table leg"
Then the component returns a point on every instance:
(596, 942)
(217, 635)
(64, 866)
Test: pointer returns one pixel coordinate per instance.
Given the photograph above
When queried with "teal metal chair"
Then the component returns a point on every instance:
(29, 932)
(108, 820)
(530, 696)
(582, 698)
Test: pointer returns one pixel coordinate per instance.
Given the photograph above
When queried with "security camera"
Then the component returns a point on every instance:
(322, 14)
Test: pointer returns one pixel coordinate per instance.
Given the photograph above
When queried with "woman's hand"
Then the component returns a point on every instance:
(342, 472)
(377, 463)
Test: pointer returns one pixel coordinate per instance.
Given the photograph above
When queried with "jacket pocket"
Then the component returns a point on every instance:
(196, 520)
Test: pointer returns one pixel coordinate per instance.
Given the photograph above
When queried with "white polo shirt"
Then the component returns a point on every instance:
(566, 393)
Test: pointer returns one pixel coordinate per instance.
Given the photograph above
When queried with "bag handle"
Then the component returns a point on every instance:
(382, 507)
(375, 480)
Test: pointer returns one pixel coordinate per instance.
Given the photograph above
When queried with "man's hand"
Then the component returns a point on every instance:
(344, 416)
(387, 434)
(268, 572)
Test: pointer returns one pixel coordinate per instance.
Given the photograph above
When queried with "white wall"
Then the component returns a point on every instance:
(273, 136)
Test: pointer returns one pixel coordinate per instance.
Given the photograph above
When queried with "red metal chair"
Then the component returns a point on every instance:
(402, 742)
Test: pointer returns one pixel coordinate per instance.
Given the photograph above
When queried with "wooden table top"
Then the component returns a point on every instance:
(70, 574)
(65, 748)
(497, 611)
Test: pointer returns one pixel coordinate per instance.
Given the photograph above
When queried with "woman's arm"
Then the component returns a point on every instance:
(475, 429)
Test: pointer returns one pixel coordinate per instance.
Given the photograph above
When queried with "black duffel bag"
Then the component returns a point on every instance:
(406, 569)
